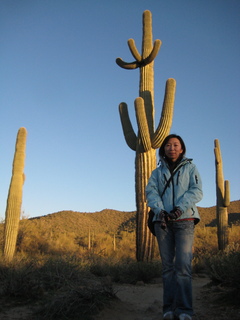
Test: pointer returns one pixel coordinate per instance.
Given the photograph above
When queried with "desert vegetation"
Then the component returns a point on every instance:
(66, 262)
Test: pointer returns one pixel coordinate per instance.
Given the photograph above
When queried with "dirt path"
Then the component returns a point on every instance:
(144, 302)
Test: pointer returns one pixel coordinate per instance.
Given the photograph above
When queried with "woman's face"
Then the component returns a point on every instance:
(173, 149)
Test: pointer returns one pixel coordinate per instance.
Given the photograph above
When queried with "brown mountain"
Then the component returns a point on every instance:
(112, 221)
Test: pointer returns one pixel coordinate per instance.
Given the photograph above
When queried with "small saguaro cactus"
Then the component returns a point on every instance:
(147, 139)
(223, 198)
(14, 201)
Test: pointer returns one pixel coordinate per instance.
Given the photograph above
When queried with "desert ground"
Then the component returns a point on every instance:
(144, 302)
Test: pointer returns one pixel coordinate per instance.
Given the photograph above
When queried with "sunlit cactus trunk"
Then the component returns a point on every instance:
(145, 163)
(14, 201)
(147, 139)
(223, 199)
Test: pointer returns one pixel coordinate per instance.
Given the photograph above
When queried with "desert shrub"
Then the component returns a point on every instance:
(33, 240)
(18, 279)
(223, 269)
(205, 239)
(58, 272)
(126, 245)
(79, 302)
(138, 271)
(224, 266)
(128, 271)
(234, 232)
(64, 285)
(31, 277)
(206, 246)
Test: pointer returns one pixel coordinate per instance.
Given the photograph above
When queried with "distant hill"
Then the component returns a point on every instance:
(113, 221)
(105, 221)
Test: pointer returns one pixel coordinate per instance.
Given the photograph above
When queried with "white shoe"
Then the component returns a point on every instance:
(184, 316)
(168, 315)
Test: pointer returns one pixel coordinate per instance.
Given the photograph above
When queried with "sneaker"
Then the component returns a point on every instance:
(184, 316)
(168, 315)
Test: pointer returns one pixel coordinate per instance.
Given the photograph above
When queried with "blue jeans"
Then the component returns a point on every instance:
(175, 246)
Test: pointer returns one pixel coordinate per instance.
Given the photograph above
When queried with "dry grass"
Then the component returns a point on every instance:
(107, 233)
(62, 259)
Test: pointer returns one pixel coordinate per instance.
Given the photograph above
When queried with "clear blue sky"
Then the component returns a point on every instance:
(59, 79)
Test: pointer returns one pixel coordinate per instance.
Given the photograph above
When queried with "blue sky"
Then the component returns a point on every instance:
(59, 79)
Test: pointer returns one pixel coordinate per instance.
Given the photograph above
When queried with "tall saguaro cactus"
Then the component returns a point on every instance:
(14, 201)
(147, 139)
(223, 198)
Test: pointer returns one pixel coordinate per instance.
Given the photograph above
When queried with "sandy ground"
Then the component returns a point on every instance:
(144, 302)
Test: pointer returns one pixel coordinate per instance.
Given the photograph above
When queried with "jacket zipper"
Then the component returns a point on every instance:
(196, 179)
(178, 167)
(165, 177)
(173, 194)
(178, 177)
(178, 174)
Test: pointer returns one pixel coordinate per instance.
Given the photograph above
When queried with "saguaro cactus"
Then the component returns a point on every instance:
(223, 199)
(14, 201)
(147, 139)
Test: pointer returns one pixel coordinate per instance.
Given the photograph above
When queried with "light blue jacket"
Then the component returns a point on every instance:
(184, 190)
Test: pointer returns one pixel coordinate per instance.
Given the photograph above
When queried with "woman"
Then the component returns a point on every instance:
(172, 192)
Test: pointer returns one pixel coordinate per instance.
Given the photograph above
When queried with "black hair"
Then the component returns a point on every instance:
(165, 141)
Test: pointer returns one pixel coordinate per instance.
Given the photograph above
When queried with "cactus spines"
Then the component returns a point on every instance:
(147, 139)
(223, 198)
(14, 201)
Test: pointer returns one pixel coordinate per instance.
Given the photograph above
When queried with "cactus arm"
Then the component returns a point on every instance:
(127, 65)
(152, 55)
(142, 124)
(156, 47)
(217, 151)
(165, 123)
(226, 193)
(129, 134)
(219, 172)
(137, 56)
(139, 61)
(134, 50)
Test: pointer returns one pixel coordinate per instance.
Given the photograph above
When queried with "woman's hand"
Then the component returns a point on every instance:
(175, 213)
